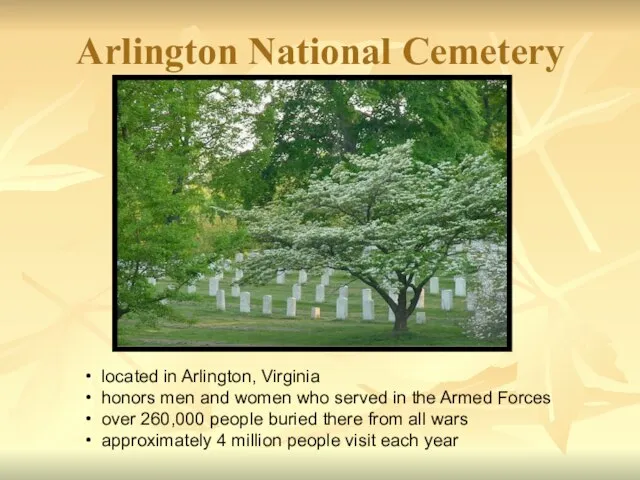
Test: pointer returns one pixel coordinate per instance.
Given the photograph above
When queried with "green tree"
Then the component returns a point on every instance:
(317, 122)
(157, 194)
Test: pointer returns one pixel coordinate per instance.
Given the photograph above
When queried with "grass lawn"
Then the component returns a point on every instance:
(209, 327)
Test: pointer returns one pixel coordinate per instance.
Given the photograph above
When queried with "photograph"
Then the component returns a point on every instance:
(312, 213)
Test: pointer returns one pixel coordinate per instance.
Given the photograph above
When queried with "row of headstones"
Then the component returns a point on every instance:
(446, 301)
(434, 283)
(460, 289)
(342, 305)
(303, 277)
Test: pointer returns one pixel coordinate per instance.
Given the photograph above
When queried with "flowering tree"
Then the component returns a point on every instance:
(386, 219)
(489, 319)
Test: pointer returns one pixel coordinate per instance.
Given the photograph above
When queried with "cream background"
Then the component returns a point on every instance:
(576, 250)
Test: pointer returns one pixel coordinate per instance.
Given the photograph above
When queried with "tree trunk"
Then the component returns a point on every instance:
(402, 313)
(401, 323)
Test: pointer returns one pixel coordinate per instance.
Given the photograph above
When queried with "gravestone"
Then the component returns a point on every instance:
(366, 294)
(434, 285)
(291, 307)
(342, 308)
(235, 291)
(220, 303)
(324, 280)
(302, 277)
(460, 286)
(191, 289)
(214, 283)
(368, 310)
(239, 257)
(266, 305)
(320, 293)
(472, 300)
(239, 274)
(280, 278)
(344, 292)
(329, 271)
(245, 302)
(446, 300)
(315, 312)
(421, 299)
(219, 276)
(152, 281)
(421, 317)
(296, 292)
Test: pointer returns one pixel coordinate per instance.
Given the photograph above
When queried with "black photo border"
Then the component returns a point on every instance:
(260, 348)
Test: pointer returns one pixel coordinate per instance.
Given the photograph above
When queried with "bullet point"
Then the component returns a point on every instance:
(88, 397)
(88, 375)
(88, 418)
(88, 439)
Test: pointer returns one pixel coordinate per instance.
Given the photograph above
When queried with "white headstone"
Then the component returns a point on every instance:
(368, 310)
(227, 265)
(191, 289)
(239, 257)
(329, 271)
(296, 292)
(214, 283)
(324, 280)
(434, 285)
(460, 286)
(219, 276)
(446, 300)
(320, 293)
(366, 294)
(421, 299)
(239, 274)
(220, 303)
(342, 308)
(291, 307)
(302, 277)
(266, 305)
(152, 281)
(421, 317)
(315, 312)
(235, 291)
(245, 302)
(280, 277)
(472, 300)
(344, 292)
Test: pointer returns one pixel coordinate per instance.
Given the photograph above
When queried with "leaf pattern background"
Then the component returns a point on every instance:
(576, 254)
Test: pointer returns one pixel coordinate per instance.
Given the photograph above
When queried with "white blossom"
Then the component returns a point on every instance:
(382, 214)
